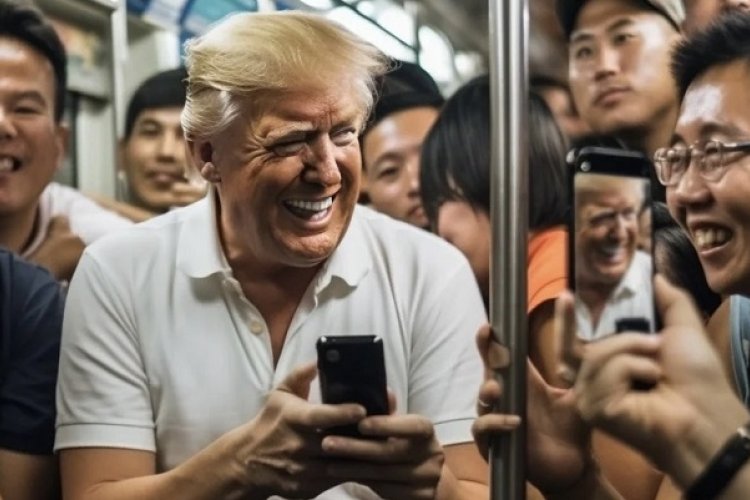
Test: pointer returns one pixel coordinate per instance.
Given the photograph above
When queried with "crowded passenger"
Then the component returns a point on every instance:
(187, 340)
(408, 104)
(619, 54)
(43, 221)
(700, 13)
(31, 309)
(455, 182)
(153, 167)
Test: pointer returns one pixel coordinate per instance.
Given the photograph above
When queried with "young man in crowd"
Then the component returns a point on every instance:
(618, 63)
(153, 174)
(408, 105)
(45, 222)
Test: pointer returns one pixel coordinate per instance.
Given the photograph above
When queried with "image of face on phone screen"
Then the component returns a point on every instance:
(612, 256)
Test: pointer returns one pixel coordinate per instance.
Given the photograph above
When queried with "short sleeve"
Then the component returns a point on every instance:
(31, 349)
(445, 368)
(102, 395)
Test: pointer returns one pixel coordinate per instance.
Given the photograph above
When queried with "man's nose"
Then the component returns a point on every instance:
(321, 166)
(606, 63)
(412, 174)
(169, 146)
(7, 128)
(691, 189)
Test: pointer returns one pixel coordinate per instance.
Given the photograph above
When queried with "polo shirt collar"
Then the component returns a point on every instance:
(199, 252)
(351, 261)
(632, 281)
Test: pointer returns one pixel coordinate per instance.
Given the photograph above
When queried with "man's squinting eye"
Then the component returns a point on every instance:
(344, 137)
(288, 148)
(583, 52)
(387, 172)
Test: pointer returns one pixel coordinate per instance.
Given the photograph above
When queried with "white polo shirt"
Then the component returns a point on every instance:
(633, 297)
(162, 352)
(88, 220)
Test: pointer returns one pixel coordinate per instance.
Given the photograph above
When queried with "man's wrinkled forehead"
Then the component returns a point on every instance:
(715, 107)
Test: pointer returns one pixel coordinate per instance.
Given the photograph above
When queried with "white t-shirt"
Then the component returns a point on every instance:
(87, 220)
(633, 297)
(162, 352)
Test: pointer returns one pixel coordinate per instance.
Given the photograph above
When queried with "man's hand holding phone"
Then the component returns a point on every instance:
(397, 456)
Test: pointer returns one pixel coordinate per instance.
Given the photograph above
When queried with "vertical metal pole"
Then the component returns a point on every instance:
(509, 215)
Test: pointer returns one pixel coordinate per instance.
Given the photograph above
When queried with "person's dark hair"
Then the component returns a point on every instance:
(455, 162)
(25, 23)
(165, 89)
(727, 39)
(405, 86)
(676, 258)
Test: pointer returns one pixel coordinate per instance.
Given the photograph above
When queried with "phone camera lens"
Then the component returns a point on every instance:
(585, 166)
(333, 356)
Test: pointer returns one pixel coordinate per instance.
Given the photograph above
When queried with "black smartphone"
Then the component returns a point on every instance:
(610, 258)
(352, 370)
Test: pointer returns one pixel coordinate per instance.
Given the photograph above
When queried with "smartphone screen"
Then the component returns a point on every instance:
(352, 370)
(610, 244)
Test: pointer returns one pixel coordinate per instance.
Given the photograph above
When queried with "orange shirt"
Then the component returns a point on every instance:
(547, 272)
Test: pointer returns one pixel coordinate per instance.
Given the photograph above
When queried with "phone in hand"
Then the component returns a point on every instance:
(352, 370)
(610, 258)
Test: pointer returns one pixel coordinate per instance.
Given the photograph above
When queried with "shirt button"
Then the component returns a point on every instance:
(256, 327)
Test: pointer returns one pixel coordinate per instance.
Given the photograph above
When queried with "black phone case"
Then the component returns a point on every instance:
(352, 370)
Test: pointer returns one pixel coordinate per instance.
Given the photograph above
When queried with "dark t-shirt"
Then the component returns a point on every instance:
(31, 307)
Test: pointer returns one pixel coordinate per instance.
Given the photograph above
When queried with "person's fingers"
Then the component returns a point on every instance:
(490, 393)
(601, 353)
(298, 380)
(483, 342)
(568, 346)
(598, 394)
(408, 426)
(675, 306)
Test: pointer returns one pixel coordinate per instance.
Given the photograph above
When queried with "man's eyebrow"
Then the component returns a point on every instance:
(620, 23)
(34, 95)
(584, 36)
(711, 128)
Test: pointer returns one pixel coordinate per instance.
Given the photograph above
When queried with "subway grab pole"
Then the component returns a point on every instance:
(509, 215)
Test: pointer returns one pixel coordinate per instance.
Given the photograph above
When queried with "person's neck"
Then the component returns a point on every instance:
(595, 297)
(652, 136)
(17, 229)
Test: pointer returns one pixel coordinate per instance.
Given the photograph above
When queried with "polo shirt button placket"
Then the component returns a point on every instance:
(256, 327)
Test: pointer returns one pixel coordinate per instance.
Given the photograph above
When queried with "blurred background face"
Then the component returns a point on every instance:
(153, 158)
(619, 57)
(469, 230)
(606, 232)
(390, 154)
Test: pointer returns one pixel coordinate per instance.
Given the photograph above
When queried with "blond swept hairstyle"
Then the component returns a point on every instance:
(254, 55)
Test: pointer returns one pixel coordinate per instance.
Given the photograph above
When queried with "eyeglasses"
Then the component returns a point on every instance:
(672, 163)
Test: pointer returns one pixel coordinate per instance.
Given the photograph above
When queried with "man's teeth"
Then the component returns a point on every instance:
(312, 206)
(709, 238)
(6, 164)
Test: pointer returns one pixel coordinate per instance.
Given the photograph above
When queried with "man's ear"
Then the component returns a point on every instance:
(62, 138)
(201, 154)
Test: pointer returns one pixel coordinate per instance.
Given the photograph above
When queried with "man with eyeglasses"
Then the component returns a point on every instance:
(706, 171)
